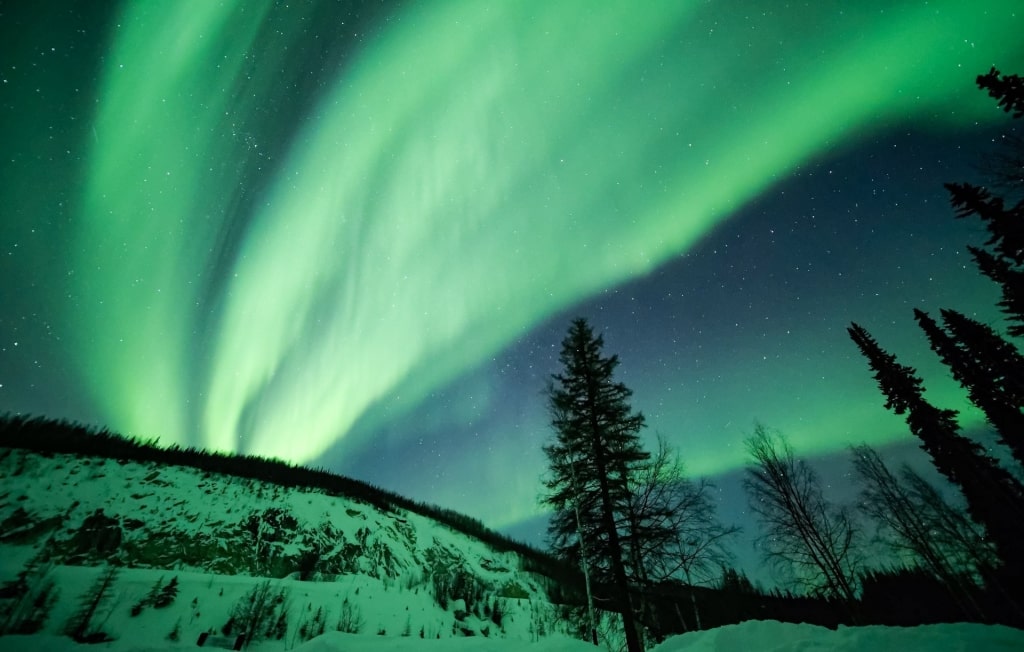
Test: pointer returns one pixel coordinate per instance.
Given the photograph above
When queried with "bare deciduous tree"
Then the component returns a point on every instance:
(960, 539)
(673, 530)
(804, 536)
(690, 541)
(915, 521)
(888, 502)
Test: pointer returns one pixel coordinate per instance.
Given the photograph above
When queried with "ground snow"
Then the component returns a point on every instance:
(773, 636)
(751, 636)
(338, 642)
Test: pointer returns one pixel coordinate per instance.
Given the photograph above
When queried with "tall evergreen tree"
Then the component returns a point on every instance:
(1004, 168)
(1012, 282)
(996, 356)
(1005, 225)
(994, 498)
(979, 360)
(596, 448)
(1003, 217)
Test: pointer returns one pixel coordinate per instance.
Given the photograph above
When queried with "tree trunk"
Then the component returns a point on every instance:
(633, 642)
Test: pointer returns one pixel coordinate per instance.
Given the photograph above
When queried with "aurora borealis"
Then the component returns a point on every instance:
(352, 235)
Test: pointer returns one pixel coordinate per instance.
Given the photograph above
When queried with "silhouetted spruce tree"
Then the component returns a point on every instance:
(1005, 226)
(80, 625)
(736, 581)
(596, 448)
(1003, 218)
(167, 594)
(995, 355)
(27, 601)
(994, 498)
(1008, 89)
(985, 365)
(1012, 283)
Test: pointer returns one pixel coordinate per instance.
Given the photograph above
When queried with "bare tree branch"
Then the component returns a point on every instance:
(804, 537)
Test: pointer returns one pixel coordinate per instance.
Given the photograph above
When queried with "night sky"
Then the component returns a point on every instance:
(353, 234)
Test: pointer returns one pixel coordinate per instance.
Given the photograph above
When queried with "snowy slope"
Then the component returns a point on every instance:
(377, 571)
(207, 515)
(220, 536)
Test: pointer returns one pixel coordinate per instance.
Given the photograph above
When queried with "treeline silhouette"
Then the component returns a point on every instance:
(896, 596)
(52, 436)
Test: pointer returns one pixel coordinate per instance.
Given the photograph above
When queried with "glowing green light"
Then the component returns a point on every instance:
(479, 167)
(149, 220)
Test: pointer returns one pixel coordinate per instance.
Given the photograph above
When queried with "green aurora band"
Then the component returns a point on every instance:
(475, 168)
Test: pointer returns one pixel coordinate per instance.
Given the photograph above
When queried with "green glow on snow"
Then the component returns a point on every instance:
(479, 167)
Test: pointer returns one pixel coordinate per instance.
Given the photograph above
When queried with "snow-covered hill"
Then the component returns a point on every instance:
(369, 570)
(154, 556)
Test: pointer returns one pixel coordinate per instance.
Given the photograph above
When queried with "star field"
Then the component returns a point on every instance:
(353, 234)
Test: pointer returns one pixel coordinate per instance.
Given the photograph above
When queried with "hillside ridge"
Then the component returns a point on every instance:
(227, 537)
(44, 435)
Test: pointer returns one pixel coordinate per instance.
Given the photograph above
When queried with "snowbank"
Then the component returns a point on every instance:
(751, 636)
(773, 636)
